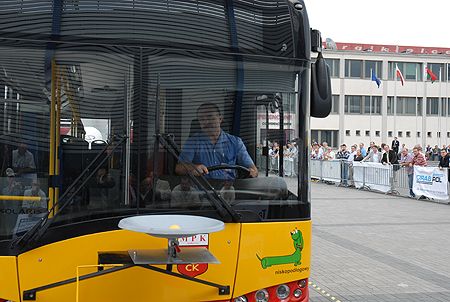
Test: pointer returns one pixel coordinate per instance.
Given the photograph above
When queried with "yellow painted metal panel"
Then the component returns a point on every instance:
(269, 255)
(59, 261)
(9, 284)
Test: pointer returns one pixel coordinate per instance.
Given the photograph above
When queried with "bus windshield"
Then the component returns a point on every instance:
(108, 129)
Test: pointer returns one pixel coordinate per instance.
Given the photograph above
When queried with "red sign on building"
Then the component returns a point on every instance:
(390, 48)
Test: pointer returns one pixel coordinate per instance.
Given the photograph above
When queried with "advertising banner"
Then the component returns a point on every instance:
(430, 182)
(374, 176)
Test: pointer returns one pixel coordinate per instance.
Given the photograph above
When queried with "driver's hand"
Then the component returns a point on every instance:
(200, 169)
(253, 171)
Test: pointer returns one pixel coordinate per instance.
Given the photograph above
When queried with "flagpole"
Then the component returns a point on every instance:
(446, 107)
(417, 99)
(395, 100)
(440, 107)
(424, 114)
(370, 105)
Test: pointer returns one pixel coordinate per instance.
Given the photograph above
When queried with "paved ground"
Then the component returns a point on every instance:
(373, 247)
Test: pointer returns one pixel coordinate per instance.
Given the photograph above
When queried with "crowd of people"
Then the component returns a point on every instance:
(290, 156)
(395, 154)
(384, 153)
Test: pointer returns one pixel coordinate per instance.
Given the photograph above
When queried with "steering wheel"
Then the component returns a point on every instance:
(245, 172)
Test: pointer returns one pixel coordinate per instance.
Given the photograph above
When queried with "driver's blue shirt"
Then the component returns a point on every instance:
(228, 149)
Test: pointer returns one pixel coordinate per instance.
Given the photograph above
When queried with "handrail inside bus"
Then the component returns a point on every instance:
(22, 198)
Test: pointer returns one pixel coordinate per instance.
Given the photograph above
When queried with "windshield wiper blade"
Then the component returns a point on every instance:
(222, 207)
(39, 229)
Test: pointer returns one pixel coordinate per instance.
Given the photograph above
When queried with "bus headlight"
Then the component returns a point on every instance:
(298, 293)
(302, 283)
(240, 299)
(283, 291)
(262, 295)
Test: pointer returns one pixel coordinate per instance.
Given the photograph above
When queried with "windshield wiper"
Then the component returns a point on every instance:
(222, 207)
(39, 229)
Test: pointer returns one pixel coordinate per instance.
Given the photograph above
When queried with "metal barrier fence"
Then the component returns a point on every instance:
(388, 179)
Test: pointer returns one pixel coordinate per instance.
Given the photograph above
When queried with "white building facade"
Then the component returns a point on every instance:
(416, 112)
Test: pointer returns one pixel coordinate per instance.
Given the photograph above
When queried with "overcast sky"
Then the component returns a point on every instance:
(397, 22)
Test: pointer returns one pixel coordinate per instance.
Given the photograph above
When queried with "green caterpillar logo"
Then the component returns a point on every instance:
(294, 258)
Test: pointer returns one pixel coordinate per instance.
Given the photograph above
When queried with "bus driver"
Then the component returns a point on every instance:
(211, 147)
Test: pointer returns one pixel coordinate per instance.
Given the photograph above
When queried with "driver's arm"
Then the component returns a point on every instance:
(186, 168)
(244, 159)
(185, 165)
(253, 171)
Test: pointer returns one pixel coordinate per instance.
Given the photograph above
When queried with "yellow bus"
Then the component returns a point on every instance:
(101, 109)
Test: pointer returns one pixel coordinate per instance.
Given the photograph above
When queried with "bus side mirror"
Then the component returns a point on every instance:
(320, 88)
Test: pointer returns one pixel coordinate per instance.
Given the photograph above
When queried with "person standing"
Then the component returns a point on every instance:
(329, 154)
(291, 154)
(389, 156)
(363, 149)
(23, 164)
(435, 153)
(343, 156)
(418, 159)
(444, 162)
(374, 155)
(405, 160)
(358, 156)
(395, 145)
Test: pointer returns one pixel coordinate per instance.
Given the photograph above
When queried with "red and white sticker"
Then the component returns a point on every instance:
(196, 240)
(193, 269)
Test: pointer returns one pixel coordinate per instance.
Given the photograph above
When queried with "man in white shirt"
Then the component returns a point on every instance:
(353, 149)
(23, 164)
(374, 156)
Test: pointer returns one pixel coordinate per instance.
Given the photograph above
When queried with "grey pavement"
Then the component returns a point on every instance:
(374, 247)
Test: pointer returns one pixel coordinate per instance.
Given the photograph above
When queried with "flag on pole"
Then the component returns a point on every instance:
(430, 75)
(374, 78)
(399, 74)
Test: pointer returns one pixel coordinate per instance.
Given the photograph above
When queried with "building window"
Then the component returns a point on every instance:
(377, 133)
(444, 108)
(389, 133)
(448, 71)
(428, 134)
(329, 136)
(367, 132)
(372, 65)
(400, 134)
(432, 106)
(347, 132)
(353, 68)
(419, 106)
(390, 105)
(418, 134)
(408, 133)
(436, 68)
(358, 132)
(335, 104)
(448, 105)
(334, 67)
(353, 104)
(405, 106)
(358, 104)
(448, 134)
(438, 134)
(409, 70)
(374, 107)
